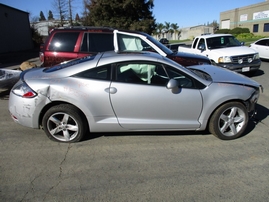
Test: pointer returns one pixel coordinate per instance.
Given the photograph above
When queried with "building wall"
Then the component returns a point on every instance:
(187, 33)
(15, 34)
(254, 17)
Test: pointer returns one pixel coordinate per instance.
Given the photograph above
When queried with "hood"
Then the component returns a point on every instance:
(191, 55)
(233, 51)
(221, 75)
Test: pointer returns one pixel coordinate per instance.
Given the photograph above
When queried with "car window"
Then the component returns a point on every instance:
(63, 41)
(263, 42)
(201, 44)
(100, 73)
(132, 43)
(97, 42)
(183, 80)
(221, 42)
(195, 42)
(150, 74)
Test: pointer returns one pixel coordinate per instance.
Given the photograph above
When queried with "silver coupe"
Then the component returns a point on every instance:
(132, 91)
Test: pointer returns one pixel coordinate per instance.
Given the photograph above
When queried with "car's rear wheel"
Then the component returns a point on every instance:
(229, 121)
(64, 123)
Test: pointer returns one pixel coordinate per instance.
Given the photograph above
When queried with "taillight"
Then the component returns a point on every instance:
(24, 90)
(41, 57)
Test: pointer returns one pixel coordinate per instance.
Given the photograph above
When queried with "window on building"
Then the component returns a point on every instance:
(266, 27)
(255, 28)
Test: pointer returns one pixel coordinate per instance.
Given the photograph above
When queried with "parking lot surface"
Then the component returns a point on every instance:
(161, 166)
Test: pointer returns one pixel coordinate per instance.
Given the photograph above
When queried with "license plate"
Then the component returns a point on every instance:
(245, 69)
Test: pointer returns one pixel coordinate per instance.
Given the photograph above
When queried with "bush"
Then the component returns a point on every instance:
(236, 31)
(246, 36)
(223, 31)
(239, 30)
(36, 37)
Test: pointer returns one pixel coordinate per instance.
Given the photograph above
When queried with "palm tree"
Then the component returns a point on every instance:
(160, 29)
(167, 27)
(177, 32)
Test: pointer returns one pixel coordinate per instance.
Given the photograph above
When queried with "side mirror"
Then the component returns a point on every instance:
(173, 86)
(242, 43)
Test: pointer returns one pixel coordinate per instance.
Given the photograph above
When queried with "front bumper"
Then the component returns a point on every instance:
(241, 68)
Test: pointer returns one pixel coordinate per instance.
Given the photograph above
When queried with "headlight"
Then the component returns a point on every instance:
(255, 96)
(256, 56)
(225, 59)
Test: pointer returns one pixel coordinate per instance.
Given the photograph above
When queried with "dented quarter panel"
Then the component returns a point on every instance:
(95, 106)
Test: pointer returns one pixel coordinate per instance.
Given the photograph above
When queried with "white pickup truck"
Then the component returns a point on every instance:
(226, 51)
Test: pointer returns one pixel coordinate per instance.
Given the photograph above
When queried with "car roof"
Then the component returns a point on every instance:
(215, 35)
(130, 55)
(82, 28)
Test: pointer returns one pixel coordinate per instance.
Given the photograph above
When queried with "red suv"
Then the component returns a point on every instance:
(68, 43)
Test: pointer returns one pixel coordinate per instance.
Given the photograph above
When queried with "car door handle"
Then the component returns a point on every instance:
(111, 90)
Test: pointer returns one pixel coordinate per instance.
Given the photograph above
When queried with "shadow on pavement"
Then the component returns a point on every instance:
(262, 113)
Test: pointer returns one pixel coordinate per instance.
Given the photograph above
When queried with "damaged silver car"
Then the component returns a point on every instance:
(127, 92)
(8, 77)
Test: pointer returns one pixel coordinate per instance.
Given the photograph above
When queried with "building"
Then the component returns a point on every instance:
(192, 32)
(254, 17)
(16, 34)
(186, 33)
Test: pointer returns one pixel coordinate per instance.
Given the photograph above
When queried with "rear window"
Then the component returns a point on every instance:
(63, 41)
(97, 42)
(69, 63)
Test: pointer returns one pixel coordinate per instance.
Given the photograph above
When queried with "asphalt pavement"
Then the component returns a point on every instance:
(157, 166)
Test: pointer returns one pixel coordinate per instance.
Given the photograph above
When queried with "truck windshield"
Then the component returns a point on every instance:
(222, 42)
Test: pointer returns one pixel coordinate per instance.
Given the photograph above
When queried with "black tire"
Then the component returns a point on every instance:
(229, 121)
(64, 123)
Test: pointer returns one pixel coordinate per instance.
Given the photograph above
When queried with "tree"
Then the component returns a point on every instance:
(123, 14)
(85, 12)
(50, 15)
(175, 27)
(42, 17)
(167, 28)
(70, 9)
(77, 18)
(61, 9)
(160, 30)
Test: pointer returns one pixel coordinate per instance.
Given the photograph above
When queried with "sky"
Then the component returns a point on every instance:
(185, 13)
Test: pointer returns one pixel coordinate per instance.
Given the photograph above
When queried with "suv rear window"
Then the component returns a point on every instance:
(96, 42)
(63, 41)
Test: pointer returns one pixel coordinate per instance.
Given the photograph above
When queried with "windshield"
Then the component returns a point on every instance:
(159, 44)
(222, 42)
(129, 42)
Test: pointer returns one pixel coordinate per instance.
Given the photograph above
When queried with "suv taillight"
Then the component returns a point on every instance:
(41, 57)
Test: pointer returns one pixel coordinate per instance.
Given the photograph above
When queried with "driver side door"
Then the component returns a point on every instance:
(141, 100)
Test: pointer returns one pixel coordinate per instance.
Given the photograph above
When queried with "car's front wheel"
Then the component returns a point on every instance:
(229, 121)
(64, 123)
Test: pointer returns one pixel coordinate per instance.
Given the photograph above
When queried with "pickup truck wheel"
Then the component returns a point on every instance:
(229, 121)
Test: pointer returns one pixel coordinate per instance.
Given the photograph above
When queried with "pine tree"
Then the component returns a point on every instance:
(77, 18)
(42, 17)
(50, 15)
